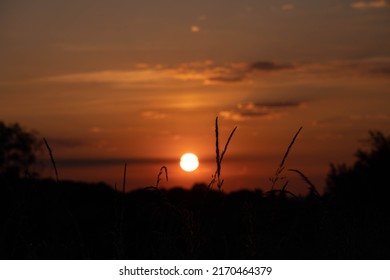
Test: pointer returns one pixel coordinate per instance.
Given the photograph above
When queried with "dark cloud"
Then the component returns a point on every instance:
(237, 115)
(276, 104)
(254, 113)
(227, 79)
(269, 66)
(144, 74)
(381, 71)
(231, 74)
(264, 110)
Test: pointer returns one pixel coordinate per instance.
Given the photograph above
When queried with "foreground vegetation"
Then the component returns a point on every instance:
(54, 219)
(65, 220)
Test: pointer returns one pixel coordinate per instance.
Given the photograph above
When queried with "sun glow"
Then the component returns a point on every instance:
(189, 162)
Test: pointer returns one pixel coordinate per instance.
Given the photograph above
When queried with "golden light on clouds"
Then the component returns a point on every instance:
(153, 115)
(287, 7)
(118, 87)
(369, 4)
(195, 29)
(211, 73)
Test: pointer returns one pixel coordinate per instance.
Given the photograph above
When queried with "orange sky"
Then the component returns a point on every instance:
(142, 81)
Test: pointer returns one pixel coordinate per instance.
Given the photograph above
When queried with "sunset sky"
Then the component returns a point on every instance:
(109, 82)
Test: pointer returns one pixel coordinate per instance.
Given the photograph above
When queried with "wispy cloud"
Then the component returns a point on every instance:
(195, 29)
(269, 66)
(288, 7)
(381, 71)
(95, 129)
(369, 4)
(264, 110)
(84, 47)
(110, 76)
(208, 72)
(233, 78)
(153, 115)
(211, 73)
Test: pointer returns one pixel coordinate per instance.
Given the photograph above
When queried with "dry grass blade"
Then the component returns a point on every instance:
(281, 165)
(282, 192)
(227, 143)
(217, 148)
(124, 179)
(219, 157)
(289, 147)
(52, 158)
(312, 188)
(284, 187)
(165, 169)
(290, 193)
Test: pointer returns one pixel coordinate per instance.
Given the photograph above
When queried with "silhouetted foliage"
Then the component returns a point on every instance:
(358, 200)
(46, 219)
(17, 150)
(368, 175)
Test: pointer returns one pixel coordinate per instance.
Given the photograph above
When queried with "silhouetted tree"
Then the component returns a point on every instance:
(368, 175)
(17, 150)
(358, 197)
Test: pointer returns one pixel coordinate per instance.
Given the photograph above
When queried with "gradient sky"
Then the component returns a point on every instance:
(142, 81)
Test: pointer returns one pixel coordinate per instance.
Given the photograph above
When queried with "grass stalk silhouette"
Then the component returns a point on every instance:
(312, 188)
(52, 158)
(196, 224)
(216, 177)
(281, 166)
(163, 168)
(124, 178)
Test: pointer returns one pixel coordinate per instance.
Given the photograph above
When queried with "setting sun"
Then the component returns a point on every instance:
(189, 162)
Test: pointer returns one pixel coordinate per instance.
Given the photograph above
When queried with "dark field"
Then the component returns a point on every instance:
(54, 219)
(43, 219)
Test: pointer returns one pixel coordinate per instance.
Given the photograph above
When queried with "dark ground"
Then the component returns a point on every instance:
(42, 219)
